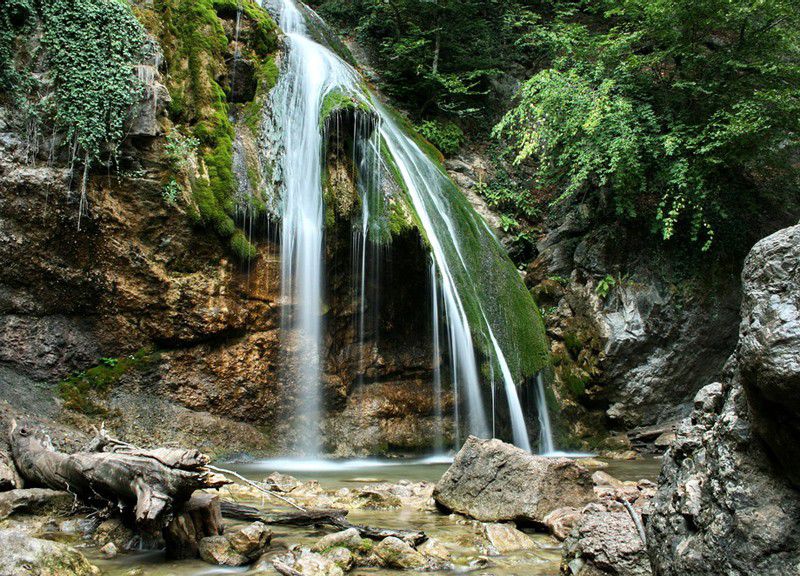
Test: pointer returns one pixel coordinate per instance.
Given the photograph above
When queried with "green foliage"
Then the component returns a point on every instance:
(434, 57)
(83, 391)
(605, 285)
(171, 191)
(180, 149)
(447, 136)
(683, 111)
(90, 48)
(16, 16)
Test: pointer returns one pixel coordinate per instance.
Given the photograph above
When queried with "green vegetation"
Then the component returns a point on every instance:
(446, 135)
(89, 49)
(682, 116)
(195, 46)
(687, 113)
(83, 391)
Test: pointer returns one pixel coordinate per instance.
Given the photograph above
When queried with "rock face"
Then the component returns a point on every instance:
(21, 555)
(726, 502)
(492, 481)
(769, 345)
(605, 541)
(633, 341)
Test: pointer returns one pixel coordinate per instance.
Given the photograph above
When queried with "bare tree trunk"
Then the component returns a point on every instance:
(152, 484)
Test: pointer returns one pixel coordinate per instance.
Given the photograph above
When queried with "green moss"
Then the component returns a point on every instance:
(337, 101)
(242, 247)
(82, 390)
(266, 78)
(264, 39)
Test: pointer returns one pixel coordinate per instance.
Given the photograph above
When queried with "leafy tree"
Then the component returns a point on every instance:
(684, 110)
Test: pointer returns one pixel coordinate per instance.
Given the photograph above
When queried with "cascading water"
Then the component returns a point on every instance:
(546, 444)
(461, 244)
(311, 72)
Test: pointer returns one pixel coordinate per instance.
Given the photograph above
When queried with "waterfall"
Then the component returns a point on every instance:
(546, 445)
(311, 72)
(476, 287)
(437, 365)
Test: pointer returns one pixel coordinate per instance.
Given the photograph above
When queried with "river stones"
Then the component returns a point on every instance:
(505, 538)
(236, 548)
(492, 481)
(394, 553)
(350, 539)
(22, 555)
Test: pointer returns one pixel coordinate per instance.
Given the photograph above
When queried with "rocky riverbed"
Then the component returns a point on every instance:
(372, 493)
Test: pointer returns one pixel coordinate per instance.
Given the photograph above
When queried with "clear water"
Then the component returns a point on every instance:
(458, 537)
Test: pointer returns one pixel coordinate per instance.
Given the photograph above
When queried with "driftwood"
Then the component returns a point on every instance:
(317, 517)
(153, 484)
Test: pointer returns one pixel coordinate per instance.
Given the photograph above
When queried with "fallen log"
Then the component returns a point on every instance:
(317, 517)
(151, 484)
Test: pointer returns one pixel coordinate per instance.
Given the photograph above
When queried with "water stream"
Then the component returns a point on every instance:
(460, 242)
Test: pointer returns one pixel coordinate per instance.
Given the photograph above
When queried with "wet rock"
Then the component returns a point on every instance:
(236, 548)
(493, 481)
(561, 521)
(22, 555)
(155, 97)
(727, 499)
(605, 541)
(114, 531)
(340, 556)
(769, 342)
(349, 538)
(109, 550)
(505, 538)
(434, 550)
(312, 564)
(40, 501)
(394, 553)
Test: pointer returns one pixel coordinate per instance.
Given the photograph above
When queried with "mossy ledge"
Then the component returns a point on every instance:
(192, 35)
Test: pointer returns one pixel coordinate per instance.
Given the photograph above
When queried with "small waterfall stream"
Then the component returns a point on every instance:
(312, 72)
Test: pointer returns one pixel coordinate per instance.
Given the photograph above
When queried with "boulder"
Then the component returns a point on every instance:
(22, 555)
(505, 538)
(727, 500)
(394, 553)
(492, 481)
(605, 541)
(41, 501)
(769, 344)
(561, 521)
(236, 548)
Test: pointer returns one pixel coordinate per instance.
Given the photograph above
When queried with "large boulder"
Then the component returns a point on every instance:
(727, 501)
(492, 481)
(22, 555)
(605, 541)
(769, 344)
